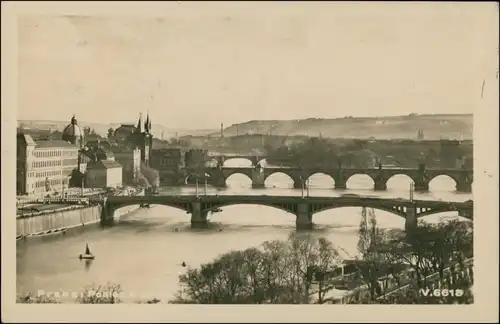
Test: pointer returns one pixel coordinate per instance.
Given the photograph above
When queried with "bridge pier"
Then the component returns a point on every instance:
(304, 217)
(107, 215)
(421, 186)
(340, 184)
(464, 187)
(411, 218)
(219, 182)
(380, 185)
(198, 216)
(258, 178)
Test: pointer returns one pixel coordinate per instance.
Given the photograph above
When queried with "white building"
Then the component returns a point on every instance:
(103, 174)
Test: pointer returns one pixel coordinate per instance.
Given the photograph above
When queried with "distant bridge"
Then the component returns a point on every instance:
(421, 176)
(254, 159)
(302, 207)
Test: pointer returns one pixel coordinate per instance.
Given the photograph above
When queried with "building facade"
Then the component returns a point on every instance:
(103, 174)
(196, 158)
(167, 159)
(44, 166)
(170, 163)
(130, 160)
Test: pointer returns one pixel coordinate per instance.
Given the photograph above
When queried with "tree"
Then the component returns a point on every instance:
(431, 248)
(277, 272)
(111, 131)
(148, 176)
(450, 242)
(31, 299)
(76, 178)
(373, 261)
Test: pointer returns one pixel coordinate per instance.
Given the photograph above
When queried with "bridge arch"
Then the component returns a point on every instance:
(282, 207)
(232, 159)
(398, 212)
(181, 206)
(350, 216)
(280, 174)
(439, 216)
(362, 179)
(248, 179)
(442, 181)
(325, 177)
(399, 181)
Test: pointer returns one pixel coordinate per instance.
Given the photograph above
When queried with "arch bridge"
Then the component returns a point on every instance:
(421, 176)
(302, 207)
(254, 159)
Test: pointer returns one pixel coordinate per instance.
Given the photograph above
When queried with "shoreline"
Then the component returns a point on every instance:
(86, 217)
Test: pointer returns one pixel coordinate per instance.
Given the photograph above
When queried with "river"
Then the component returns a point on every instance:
(143, 251)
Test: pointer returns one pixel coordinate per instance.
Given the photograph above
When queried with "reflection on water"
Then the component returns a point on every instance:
(145, 250)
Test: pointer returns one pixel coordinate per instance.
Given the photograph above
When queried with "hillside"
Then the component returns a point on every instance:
(402, 127)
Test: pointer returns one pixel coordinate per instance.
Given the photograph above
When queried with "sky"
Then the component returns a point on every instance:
(195, 65)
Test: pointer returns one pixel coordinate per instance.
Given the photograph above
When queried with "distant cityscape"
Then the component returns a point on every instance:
(49, 162)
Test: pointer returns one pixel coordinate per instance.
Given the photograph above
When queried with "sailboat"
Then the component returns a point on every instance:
(87, 255)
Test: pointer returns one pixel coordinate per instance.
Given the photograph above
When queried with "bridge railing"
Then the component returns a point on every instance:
(66, 201)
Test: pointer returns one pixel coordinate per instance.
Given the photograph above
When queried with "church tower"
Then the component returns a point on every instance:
(73, 133)
(144, 139)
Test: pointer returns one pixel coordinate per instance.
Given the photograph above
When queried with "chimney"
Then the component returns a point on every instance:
(221, 130)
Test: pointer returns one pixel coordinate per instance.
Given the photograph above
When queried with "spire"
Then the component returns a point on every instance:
(139, 124)
(147, 124)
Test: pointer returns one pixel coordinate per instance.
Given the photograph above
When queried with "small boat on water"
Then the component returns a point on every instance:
(87, 255)
(145, 205)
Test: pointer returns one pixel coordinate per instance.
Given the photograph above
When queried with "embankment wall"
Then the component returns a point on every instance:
(64, 219)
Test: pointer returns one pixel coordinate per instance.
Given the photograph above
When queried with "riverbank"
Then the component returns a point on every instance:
(60, 221)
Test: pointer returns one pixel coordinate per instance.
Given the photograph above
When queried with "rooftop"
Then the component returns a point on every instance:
(54, 143)
(125, 127)
(121, 149)
(104, 164)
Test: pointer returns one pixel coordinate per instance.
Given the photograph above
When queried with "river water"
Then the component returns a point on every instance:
(144, 250)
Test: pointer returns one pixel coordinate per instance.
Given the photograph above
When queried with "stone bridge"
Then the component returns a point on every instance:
(421, 176)
(302, 207)
(255, 159)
